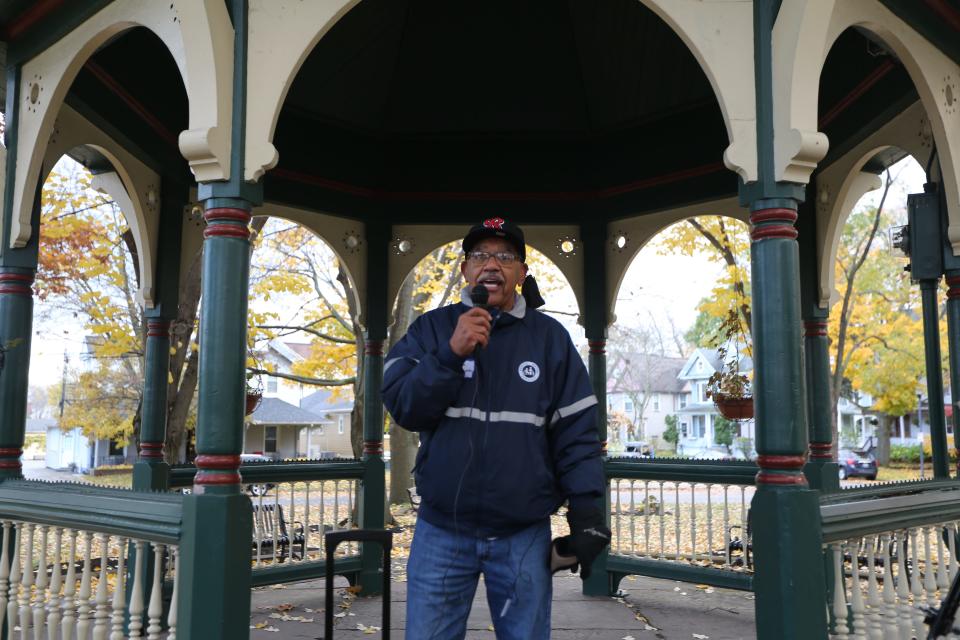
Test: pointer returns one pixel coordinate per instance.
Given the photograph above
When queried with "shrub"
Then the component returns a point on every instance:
(905, 453)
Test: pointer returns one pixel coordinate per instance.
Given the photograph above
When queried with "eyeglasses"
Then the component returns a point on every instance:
(503, 257)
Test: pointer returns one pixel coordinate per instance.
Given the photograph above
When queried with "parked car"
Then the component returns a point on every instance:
(256, 489)
(856, 465)
(637, 449)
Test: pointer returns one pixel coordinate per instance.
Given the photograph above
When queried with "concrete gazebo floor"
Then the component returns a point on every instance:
(650, 609)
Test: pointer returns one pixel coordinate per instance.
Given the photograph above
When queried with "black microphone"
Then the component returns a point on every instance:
(479, 297)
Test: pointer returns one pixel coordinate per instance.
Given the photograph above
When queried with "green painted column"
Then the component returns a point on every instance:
(953, 347)
(373, 495)
(931, 350)
(151, 472)
(785, 515)
(821, 470)
(594, 319)
(16, 325)
(214, 601)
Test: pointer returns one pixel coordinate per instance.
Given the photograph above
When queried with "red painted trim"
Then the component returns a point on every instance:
(781, 462)
(548, 196)
(29, 17)
(225, 231)
(11, 452)
(774, 231)
(769, 215)
(872, 78)
(821, 450)
(151, 450)
(135, 105)
(222, 461)
(946, 12)
(373, 347)
(954, 283)
(373, 447)
(598, 347)
(217, 478)
(10, 464)
(158, 329)
(16, 283)
(227, 213)
(814, 328)
(783, 479)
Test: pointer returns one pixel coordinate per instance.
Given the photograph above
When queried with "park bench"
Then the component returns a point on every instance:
(270, 527)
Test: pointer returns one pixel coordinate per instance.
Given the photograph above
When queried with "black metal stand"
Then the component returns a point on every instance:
(381, 537)
(940, 620)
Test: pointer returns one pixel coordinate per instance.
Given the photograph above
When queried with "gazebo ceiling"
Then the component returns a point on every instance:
(432, 110)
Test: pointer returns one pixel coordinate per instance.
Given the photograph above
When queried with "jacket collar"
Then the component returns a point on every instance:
(518, 311)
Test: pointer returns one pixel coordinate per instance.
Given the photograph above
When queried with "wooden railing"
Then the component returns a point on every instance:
(72, 553)
(891, 550)
(681, 519)
(294, 504)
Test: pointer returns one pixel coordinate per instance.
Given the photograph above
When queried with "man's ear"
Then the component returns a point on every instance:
(463, 269)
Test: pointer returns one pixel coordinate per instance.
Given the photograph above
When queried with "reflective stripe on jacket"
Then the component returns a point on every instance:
(506, 436)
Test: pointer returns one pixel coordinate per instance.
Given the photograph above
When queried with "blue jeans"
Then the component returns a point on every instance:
(442, 575)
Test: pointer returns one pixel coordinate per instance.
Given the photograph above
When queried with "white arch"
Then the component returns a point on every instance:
(339, 234)
(132, 185)
(198, 35)
(280, 38)
(719, 35)
(804, 32)
(843, 183)
(638, 231)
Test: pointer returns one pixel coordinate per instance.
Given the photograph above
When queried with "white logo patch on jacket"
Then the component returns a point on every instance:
(529, 371)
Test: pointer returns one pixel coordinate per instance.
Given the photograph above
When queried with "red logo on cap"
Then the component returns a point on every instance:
(494, 223)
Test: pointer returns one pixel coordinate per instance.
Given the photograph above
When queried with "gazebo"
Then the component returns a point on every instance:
(387, 127)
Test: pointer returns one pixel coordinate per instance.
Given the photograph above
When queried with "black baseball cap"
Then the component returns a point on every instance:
(496, 228)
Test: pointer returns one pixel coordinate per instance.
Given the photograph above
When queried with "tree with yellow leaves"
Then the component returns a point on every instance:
(85, 265)
(876, 332)
(723, 240)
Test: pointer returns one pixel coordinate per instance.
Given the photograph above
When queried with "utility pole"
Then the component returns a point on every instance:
(63, 386)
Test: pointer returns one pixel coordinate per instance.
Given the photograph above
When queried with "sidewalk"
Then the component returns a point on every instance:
(652, 609)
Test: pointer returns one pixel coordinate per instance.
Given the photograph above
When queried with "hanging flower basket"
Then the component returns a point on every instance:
(252, 402)
(734, 407)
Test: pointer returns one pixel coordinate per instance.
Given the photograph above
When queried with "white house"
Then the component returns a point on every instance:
(646, 389)
(293, 420)
(698, 415)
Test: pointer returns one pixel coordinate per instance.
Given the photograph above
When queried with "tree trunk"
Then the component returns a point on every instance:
(403, 443)
(883, 439)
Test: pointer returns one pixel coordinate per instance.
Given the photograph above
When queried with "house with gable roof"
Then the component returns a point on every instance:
(697, 415)
(644, 388)
(293, 420)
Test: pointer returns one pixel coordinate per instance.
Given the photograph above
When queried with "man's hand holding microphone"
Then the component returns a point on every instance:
(473, 327)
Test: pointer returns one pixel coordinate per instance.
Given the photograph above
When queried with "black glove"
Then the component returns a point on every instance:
(589, 535)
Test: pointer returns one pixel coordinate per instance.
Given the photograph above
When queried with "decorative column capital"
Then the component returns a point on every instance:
(781, 470)
(217, 469)
(227, 222)
(766, 224)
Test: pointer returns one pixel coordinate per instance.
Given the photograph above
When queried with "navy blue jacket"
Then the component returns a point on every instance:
(504, 437)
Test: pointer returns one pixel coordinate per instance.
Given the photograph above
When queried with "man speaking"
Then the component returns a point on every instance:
(507, 424)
